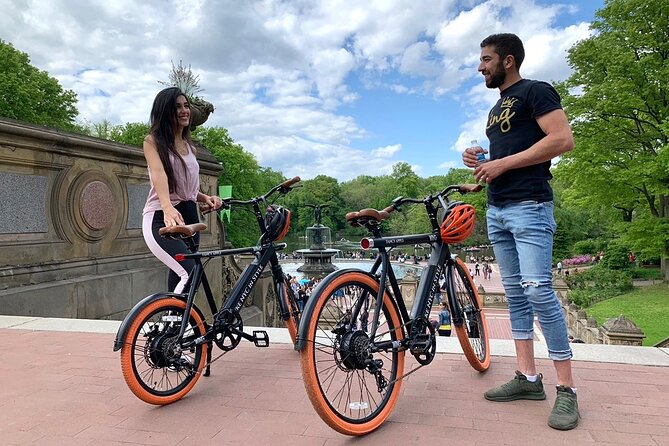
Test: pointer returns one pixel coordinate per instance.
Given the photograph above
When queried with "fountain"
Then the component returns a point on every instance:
(317, 258)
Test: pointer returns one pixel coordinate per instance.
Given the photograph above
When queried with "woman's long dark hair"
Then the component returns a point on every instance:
(163, 124)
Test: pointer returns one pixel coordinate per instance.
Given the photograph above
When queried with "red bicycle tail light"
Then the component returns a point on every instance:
(366, 243)
(179, 257)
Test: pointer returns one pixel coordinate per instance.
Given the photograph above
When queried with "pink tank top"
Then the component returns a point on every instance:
(188, 185)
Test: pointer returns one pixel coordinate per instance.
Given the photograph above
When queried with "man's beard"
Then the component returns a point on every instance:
(497, 78)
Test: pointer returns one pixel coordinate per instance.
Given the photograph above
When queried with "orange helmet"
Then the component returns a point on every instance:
(458, 223)
(277, 222)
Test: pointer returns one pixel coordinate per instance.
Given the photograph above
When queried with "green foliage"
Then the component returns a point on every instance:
(646, 306)
(248, 179)
(616, 99)
(646, 236)
(596, 284)
(132, 133)
(321, 191)
(588, 246)
(646, 273)
(184, 79)
(616, 256)
(406, 183)
(30, 95)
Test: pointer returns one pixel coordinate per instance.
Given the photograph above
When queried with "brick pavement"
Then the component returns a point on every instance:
(66, 388)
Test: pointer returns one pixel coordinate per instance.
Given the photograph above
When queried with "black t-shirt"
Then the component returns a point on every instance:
(512, 127)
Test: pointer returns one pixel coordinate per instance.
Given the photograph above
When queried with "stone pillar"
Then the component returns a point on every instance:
(621, 331)
(408, 286)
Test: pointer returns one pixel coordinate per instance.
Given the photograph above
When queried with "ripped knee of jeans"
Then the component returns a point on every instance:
(529, 283)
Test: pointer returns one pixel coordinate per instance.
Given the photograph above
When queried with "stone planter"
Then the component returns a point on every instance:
(199, 112)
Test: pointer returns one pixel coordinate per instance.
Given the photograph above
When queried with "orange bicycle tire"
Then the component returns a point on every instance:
(127, 351)
(479, 361)
(308, 362)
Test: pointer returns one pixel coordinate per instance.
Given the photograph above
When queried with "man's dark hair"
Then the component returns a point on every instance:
(506, 44)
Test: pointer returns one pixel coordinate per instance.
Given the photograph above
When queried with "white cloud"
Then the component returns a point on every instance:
(449, 165)
(281, 73)
(386, 152)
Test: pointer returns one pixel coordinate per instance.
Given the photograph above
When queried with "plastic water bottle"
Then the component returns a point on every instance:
(480, 156)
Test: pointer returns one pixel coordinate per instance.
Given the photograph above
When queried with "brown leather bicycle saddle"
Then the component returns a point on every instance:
(182, 230)
(362, 217)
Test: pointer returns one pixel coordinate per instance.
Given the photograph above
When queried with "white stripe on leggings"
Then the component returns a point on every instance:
(161, 254)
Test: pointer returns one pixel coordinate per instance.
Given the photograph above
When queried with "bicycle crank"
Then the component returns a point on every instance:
(227, 328)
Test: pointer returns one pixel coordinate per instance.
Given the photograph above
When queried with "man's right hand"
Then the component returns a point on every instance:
(469, 156)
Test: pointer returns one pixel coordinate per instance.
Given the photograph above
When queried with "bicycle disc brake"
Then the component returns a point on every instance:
(224, 336)
(423, 346)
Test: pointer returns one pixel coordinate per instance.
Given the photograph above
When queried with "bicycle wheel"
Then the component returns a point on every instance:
(155, 367)
(290, 301)
(473, 331)
(352, 388)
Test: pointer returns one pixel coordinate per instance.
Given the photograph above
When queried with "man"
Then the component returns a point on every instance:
(527, 128)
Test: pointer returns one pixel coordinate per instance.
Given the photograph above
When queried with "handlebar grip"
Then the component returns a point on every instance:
(206, 209)
(466, 188)
(290, 182)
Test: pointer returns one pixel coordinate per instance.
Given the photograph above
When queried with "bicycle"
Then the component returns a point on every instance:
(352, 348)
(165, 340)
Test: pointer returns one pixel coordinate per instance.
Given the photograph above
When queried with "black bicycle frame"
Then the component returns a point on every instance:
(439, 263)
(243, 287)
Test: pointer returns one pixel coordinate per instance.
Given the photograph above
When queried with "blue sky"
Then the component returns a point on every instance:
(338, 87)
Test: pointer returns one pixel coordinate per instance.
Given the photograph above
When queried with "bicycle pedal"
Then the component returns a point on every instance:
(260, 338)
(420, 344)
(418, 349)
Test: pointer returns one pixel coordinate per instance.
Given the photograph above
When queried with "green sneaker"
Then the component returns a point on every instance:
(519, 388)
(565, 411)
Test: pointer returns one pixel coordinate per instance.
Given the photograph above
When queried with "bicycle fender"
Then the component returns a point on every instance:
(311, 303)
(125, 325)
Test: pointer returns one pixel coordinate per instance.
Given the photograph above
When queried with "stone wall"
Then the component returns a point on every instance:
(618, 331)
(492, 299)
(70, 224)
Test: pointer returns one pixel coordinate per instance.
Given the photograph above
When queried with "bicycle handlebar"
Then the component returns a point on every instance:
(461, 188)
(283, 188)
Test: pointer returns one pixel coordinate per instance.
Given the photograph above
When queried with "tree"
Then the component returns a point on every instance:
(324, 191)
(405, 181)
(619, 109)
(248, 180)
(131, 133)
(30, 95)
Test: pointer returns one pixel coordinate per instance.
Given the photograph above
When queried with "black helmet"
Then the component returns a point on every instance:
(277, 222)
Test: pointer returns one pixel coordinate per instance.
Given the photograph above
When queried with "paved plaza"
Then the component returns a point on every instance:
(62, 385)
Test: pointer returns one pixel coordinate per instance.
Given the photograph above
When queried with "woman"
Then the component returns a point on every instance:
(444, 328)
(175, 182)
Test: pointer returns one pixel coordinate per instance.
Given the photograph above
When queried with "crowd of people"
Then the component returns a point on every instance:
(303, 288)
(482, 267)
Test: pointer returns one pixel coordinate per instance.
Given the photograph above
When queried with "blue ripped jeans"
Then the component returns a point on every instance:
(522, 239)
